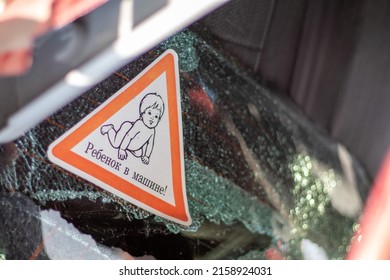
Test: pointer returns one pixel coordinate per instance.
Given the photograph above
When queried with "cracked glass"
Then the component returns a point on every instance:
(262, 181)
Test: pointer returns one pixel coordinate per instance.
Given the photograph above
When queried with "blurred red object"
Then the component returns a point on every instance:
(273, 254)
(21, 21)
(372, 240)
(200, 99)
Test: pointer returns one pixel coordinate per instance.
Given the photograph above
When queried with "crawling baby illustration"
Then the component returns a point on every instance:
(137, 137)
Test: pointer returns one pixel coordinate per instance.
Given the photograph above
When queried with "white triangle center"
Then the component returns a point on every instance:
(155, 177)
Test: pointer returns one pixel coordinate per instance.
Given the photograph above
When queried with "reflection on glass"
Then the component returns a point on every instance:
(260, 177)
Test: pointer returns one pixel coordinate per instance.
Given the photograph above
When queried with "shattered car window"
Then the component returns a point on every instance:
(260, 177)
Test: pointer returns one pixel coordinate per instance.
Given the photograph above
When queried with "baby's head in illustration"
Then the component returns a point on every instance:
(151, 109)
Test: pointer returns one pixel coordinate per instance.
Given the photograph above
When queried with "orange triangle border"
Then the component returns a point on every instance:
(61, 150)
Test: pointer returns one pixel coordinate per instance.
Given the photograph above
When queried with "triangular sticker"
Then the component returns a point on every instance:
(132, 144)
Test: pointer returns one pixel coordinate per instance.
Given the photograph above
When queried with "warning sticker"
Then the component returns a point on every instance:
(132, 145)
